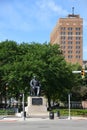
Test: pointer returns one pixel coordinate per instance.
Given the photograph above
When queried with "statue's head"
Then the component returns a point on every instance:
(34, 77)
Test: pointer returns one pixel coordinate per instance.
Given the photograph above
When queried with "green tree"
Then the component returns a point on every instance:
(19, 62)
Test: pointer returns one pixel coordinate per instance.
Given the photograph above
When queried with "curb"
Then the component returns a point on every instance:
(21, 119)
(4, 119)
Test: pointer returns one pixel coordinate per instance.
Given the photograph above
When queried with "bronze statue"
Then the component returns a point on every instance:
(35, 87)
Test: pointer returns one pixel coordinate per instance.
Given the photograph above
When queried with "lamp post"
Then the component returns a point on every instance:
(23, 106)
(6, 94)
(69, 117)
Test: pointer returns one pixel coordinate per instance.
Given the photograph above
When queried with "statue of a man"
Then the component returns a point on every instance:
(35, 87)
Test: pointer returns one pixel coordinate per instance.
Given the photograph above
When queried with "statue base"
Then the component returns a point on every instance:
(37, 106)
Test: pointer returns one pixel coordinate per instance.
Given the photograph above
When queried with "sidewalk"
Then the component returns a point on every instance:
(78, 118)
(72, 118)
(14, 119)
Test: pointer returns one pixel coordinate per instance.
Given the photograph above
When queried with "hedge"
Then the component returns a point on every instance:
(7, 112)
(73, 112)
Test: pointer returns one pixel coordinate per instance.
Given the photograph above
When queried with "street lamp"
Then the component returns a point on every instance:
(69, 95)
(23, 106)
(6, 94)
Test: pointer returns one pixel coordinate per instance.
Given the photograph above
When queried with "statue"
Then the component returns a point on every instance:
(35, 87)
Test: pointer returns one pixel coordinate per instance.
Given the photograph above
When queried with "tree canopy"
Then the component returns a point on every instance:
(19, 62)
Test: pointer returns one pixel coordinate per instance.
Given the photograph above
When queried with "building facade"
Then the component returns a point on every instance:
(68, 33)
(85, 63)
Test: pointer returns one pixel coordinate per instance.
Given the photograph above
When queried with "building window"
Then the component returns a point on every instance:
(70, 28)
(69, 47)
(63, 33)
(70, 42)
(77, 42)
(63, 28)
(77, 56)
(78, 28)
(70, 56)
(77, 33)
(63, 38)
(77, 47)
(77, 52)
(63, 42)
(63, 47)
(70, 33)
(69, 38)
(70, 52)
(77, 38)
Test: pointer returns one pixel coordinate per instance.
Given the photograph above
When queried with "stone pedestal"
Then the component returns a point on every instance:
(37, 106)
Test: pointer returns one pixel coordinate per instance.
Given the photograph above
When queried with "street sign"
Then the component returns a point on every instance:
(79, 71)
(76, 71)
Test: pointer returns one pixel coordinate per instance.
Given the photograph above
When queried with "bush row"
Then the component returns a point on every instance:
(7, 112)
(73, 112)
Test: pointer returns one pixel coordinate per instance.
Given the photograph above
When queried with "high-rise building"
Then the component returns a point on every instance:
(68, 33)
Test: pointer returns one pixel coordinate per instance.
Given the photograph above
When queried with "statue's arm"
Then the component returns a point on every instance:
(31, 84)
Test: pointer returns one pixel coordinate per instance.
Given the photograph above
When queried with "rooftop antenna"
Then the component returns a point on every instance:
(72, 10)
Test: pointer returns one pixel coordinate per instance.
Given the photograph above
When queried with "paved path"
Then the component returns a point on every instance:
(44, 124)
(15, 119)
(12, 119)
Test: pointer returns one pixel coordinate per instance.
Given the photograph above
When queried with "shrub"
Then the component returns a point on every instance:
(7, 112)
(73, 112)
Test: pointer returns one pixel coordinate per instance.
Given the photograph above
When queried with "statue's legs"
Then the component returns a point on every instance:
(38, 90)
(35, 91)
(32, 92)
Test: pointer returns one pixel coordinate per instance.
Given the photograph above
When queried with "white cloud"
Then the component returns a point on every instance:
(46, 10)
(13, 17)
(20, 15)
(52, 7)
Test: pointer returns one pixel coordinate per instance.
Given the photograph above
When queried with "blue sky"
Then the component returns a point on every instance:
(33, 20)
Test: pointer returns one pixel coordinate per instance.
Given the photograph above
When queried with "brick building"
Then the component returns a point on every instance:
(68, 33)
